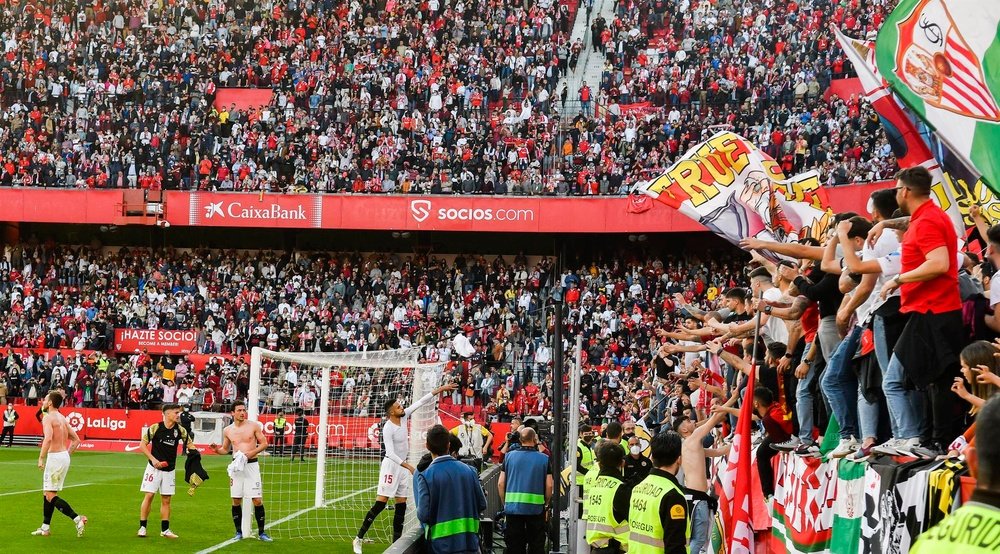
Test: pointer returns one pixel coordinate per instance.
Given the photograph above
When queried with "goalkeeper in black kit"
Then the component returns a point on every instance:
(159, 445)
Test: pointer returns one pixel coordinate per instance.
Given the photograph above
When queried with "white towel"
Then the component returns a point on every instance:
(239, 462)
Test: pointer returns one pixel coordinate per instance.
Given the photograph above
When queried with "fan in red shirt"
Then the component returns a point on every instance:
(929, 345)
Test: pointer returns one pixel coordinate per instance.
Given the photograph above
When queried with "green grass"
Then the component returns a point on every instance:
(105, 488)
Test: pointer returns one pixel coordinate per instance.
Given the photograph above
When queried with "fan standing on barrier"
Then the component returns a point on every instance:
(396, 474)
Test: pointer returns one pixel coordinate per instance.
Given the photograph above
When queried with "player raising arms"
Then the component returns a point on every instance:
(159, 444)
(246, 438)
(395, 475)
(60, 440)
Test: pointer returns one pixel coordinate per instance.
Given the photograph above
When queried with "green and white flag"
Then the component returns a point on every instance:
(848, 507)
(942, 58)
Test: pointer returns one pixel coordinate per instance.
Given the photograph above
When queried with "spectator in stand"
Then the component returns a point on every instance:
(928, 349)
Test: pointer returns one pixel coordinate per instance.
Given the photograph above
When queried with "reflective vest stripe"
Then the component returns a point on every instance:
(524, 498)
(643, 539)
(604, 527)
(452, 527)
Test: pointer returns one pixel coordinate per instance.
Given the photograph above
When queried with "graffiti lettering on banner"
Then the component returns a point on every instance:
(737, 191)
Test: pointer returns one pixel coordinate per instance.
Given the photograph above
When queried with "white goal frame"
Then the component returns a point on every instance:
(388, 359)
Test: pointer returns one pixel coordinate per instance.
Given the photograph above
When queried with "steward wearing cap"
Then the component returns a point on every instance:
(659, 515)
(608, 503)
(584, 463)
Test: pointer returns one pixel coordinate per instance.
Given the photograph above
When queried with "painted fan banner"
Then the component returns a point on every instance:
(737, 191)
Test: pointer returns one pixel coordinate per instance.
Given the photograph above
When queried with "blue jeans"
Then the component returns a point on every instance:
(840, 384)
(904, 405)
(701, 520)
(804, 399)
(868, 414)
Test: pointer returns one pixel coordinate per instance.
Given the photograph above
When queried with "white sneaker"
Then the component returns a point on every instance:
(168, 534)
(888, 448)
(906, 447)
(357, 545)
(41, 532)
(81, 523)
(845, 447)
(787, 446)
(142, 533)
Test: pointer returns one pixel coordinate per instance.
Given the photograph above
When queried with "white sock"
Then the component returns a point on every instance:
(77, 519)
(45, 527)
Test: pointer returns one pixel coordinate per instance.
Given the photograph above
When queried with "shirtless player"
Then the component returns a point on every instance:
(246, 437)
(60, 440)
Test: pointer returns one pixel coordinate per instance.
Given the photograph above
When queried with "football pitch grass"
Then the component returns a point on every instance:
(105, 488)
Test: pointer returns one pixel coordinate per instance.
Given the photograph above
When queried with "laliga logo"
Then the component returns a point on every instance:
(420, 209)
(213, 209)
(76, 421)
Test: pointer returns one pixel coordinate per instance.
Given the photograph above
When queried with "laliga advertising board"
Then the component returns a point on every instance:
(116, 430)
(96, 427)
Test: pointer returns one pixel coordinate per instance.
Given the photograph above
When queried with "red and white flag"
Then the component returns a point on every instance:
(739, 527)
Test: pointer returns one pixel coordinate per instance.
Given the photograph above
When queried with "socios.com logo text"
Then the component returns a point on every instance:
(422, 209)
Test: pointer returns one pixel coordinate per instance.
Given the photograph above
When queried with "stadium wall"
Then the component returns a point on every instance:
(606, 214)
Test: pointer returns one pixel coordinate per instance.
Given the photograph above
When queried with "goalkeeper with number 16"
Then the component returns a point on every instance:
(396, 474)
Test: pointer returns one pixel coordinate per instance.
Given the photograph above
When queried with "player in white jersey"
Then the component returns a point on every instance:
(396, 473)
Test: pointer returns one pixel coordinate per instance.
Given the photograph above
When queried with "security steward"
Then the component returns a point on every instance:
(608, 503)
(974, 528)
(584, 463)
(612, 433)
(525, 488)
(659, 515)
(279, 433)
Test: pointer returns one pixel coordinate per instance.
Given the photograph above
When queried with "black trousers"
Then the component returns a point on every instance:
(764, 469)
(300, 447)
(525, 534)
(9, 433)
(279, 444)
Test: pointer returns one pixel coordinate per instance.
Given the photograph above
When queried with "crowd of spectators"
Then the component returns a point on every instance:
(760, 69)
(431, 97)
(55, 296)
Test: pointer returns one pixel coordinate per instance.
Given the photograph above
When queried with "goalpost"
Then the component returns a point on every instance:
(327, 495)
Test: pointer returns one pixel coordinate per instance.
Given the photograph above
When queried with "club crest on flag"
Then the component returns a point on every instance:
(936, 63)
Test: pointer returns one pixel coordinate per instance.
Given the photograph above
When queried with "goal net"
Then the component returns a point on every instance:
(322, 469)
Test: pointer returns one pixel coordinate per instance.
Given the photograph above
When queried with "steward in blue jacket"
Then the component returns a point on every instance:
(451, 499)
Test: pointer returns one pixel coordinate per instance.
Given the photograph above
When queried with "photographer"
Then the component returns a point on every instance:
(513, 439)
(476, 440)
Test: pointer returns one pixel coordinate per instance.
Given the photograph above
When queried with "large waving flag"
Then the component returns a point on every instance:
(942, 57)
(738, 191)
(956, 187)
